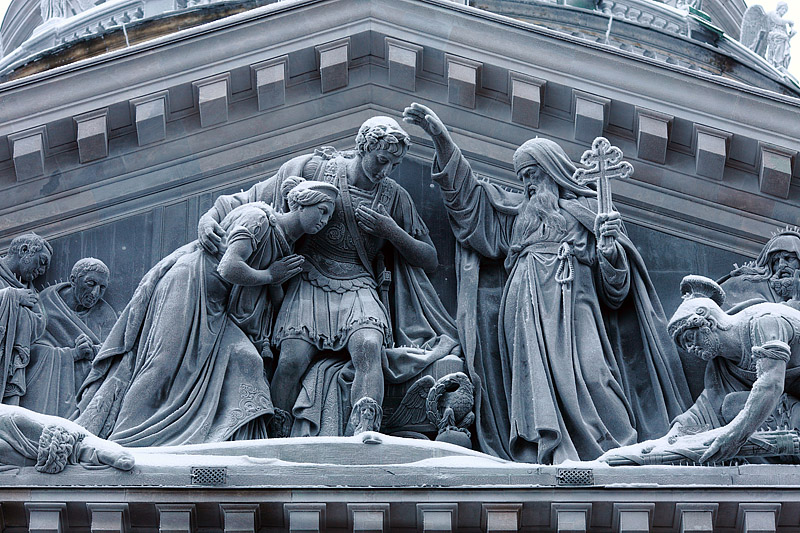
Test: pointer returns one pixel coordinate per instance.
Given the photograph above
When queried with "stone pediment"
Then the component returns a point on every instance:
(704, 141)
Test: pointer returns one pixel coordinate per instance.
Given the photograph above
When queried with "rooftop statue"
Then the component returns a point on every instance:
(53, 9)
(768, 34)
(21, 321)
(770, 276)
(341, 302)
(180, 365)
(78, 320)
(751, 379)
(580, 361)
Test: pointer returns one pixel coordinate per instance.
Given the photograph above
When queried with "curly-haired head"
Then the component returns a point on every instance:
(88, 264)
(28, 244)
(382, 133)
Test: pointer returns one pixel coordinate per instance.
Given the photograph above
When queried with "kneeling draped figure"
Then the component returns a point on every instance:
(181, 366)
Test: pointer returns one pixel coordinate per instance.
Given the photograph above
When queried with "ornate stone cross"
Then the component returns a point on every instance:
(603, 163)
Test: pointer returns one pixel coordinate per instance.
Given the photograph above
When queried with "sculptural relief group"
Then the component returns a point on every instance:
(306, 297)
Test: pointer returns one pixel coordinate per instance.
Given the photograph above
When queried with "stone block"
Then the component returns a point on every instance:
(758, 517)
(775, 170)
(632, 517)
(591, 115)
(711, 151)
(46, 517)
(304, 517)
(652, 135)
(212, 99)
(462, 81)
(527, 95)
(176, 517)
(240, 517)
(27, 148)
(269, 79)
(150, 117)
(92, 135)
(109, 517)
(437, 517)
(404, 60)
(368, 517)
(570, 517)
(500, 517)
(695, 517)
(333, 64)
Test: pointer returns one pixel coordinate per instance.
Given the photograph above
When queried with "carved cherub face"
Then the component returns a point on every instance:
(782, 8)
(89, 287)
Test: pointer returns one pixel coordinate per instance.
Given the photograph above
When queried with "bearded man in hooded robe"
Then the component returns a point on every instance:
(581, 361)
(770, 276)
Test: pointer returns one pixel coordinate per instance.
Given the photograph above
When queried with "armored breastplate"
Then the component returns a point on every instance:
(332, 251)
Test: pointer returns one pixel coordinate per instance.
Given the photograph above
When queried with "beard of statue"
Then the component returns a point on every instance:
(783, 286)
(708, 344)
(541, 209)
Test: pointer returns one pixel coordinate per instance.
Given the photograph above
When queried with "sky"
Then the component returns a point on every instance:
(769, 5)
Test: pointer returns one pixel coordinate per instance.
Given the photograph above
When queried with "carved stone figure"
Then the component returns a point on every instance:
(181, 365)
(778, 37)
(751, 379)
(580, 360)
(769, 277)
(21, 321)
(449, 406)
(78, 320)
(768, 34)
(341, 301)
(51, 9)
(50, 444)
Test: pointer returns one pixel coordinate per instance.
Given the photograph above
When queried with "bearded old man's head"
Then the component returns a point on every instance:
(546, 173)
(781, 257)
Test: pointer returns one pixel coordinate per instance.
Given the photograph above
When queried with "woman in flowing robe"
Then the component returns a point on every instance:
(183, 364)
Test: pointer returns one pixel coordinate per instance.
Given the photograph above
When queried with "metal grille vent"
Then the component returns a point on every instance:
(575, 476)
(208, 476)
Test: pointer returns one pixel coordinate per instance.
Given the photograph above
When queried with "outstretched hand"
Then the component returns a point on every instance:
(285, 269)
(425, 118)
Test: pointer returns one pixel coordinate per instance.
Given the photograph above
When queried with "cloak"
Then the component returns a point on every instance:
(423, 331)
(19, 328)
(650, 370)
(53, 375)
(177, 367)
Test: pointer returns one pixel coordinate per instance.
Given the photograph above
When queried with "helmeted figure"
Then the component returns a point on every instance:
(769, 277)
(568, 345)
(752, 378)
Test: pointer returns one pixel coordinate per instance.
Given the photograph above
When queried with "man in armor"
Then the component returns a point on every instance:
(334, 304)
